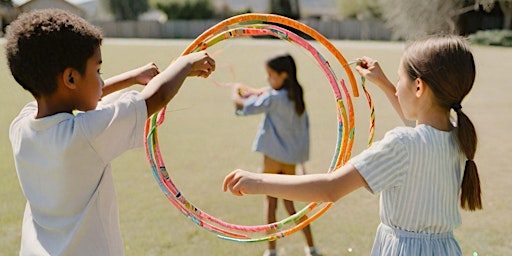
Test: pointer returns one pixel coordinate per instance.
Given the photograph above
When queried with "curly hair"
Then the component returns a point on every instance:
(43, 43)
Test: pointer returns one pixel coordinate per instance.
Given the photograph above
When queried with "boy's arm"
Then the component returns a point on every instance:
(141, 75)
(163, 87)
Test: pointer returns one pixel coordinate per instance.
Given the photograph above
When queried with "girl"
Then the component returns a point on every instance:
(283, 136)
(419, 172)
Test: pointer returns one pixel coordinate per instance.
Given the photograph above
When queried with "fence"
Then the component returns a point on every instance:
(350, 29)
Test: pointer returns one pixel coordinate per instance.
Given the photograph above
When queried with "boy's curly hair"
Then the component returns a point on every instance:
(42, 43)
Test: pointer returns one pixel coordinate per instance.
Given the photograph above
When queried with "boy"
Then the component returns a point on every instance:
(62, 159)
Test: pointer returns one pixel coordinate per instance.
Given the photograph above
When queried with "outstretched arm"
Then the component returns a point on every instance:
(326, 187)
(163, 87)
(239, 92)
(371, 70)
(141, 75)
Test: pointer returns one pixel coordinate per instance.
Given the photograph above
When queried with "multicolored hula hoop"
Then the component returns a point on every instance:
(254, 25)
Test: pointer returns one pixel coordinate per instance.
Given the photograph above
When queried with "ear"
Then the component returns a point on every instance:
(420, 87)
(68, 78)
(283, 75)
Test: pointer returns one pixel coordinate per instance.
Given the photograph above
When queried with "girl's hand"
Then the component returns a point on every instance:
(240, 182)
(202, 64)
(246, 91)
(371, 70)
(242, 90)
(144, 74)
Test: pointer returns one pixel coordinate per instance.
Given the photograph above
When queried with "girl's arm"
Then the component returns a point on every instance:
(327, 187)
(239, 92)
(371, 70)
(141, 75)
(163, 87)
(237, 96)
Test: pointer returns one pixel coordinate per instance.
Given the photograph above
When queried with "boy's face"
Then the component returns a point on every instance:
(90, 84)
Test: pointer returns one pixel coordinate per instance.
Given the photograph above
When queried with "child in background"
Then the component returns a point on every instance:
(283, 136)
(421, 173)
(62, 159)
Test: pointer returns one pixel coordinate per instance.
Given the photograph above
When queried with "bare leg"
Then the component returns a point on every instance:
(270, 211)
(290, 208)
(301, 169)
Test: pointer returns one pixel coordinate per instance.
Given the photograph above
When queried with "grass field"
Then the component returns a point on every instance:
(202, 140)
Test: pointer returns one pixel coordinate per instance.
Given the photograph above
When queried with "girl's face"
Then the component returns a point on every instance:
(276, 79)
(406, 93)
(90, 84)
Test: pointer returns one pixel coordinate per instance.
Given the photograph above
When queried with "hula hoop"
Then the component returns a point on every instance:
(231, 28)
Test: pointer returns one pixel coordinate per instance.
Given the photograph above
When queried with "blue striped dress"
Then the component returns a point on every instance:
(417, 172)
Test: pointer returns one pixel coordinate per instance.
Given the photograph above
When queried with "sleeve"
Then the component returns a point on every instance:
(256, 105)
(30, 109)
(384, 164)
(115, 128)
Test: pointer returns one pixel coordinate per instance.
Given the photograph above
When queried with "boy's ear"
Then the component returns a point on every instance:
(68, 78)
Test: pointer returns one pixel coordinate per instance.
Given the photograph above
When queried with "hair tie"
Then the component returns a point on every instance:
(457, 107)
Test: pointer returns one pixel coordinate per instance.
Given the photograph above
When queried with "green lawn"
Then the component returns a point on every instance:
(202, 140)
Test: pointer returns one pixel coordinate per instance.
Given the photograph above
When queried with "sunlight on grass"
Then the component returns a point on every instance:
(202, 141)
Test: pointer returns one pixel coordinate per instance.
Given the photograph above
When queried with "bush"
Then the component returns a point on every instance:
(492, 37)
(189, 10)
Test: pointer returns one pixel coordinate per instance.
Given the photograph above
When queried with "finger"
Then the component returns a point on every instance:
(227, 180)
(361, 70)
(200, 73)
(236, 190)
(235, 186)
(209, 64)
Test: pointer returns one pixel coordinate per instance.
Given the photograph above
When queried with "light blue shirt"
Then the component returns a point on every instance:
(282, 135)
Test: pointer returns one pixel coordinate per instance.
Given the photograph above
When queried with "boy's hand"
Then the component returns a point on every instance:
(202, 64)
(144, 74)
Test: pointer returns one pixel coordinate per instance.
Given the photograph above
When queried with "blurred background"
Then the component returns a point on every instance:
(485, 22)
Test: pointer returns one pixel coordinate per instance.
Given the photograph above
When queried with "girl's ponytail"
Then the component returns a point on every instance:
(286, 63)
(470, 198)
(446, 64)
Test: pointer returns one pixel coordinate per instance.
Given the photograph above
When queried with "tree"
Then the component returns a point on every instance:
(189, 10)
(127, 9)
(409, 19)
(357, 9)
(6, 2)
(505, 6)
(7, 14)
(287, 8)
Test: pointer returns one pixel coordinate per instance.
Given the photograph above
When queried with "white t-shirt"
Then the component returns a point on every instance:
(63, 165)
